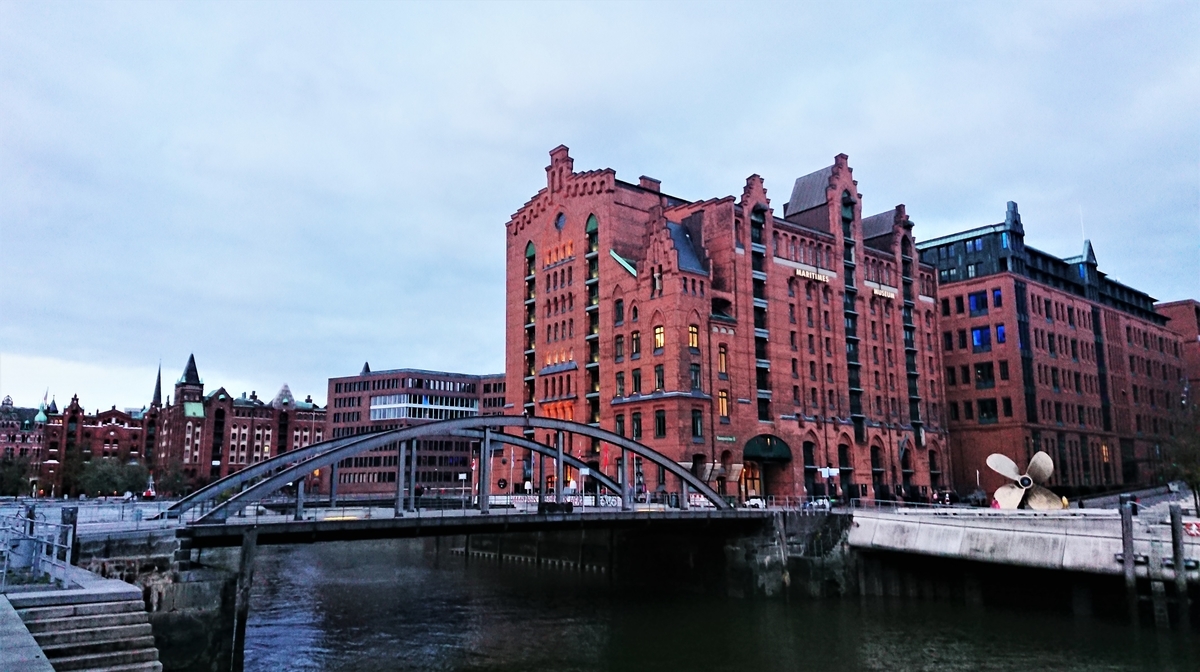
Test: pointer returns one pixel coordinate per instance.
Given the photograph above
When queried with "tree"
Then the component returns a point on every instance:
(110, 476)
(1183, 449)
(14, 477)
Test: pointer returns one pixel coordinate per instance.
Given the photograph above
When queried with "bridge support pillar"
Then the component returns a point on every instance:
(1181, 586)
(626, 487)
(558, 468)
(485, 472)
(684, 496)
(401, 455)
(333, 483)
(1128, 558)
(412, 477)
(242, 601)
(300, 498)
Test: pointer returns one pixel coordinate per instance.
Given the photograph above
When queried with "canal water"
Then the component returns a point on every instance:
(396, 605)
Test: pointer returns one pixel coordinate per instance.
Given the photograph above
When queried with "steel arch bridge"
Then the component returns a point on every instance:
(265, 478)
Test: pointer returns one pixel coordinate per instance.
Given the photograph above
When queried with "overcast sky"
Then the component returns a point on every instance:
(289, 189)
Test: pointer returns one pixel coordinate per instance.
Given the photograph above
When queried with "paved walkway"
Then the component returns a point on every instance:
(19, 652)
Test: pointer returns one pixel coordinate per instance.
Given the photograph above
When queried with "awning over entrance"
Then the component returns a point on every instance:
(767, 448)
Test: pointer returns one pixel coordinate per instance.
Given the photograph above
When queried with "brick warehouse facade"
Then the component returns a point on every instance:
(754, 349)
(203, 437)
(1043, 353)
(376, 401)
(1184, 319)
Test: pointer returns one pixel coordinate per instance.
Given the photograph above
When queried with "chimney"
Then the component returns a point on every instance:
(650, 184)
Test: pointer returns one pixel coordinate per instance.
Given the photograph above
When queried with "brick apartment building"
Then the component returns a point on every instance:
(376, 401)
(75, 437)
(752, 348)
(1184, 319)
(1043, 353)
(209, 436)
(23, 437)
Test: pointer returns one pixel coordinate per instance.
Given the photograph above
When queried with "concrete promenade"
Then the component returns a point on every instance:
(1072, 540)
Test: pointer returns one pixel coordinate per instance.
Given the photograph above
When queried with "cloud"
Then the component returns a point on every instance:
(290, 190)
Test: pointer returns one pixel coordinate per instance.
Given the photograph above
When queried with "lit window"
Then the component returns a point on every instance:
(660, 338)
(694, 337)
(722, 359)
(723, 403)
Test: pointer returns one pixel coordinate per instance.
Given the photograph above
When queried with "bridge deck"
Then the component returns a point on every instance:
(280, 530)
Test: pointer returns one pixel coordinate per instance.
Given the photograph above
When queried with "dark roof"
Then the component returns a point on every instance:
(157, 399)
(688, 259)
(808, 192)
(878, 225)
(190, 375)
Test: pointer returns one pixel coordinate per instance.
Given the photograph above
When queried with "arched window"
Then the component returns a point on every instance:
(660, 338)
(592, 229)
(530, 259)
(694, 336)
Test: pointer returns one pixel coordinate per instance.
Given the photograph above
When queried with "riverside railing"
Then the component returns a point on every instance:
(30, 544)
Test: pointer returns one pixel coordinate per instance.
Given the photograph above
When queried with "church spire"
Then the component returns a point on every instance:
(157, 399)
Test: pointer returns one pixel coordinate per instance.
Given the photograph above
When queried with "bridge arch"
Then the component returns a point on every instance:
(288, 467)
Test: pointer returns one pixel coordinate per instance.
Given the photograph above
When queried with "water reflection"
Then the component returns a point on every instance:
(374, 606)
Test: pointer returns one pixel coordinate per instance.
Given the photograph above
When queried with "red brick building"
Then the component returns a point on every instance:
(209, 436)
(377, 401)
(755, 349)
(75, 437)
(1184, 319)
(23, 437)
(1043, 353)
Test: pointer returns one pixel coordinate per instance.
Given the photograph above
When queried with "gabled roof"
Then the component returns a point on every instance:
(878, 225)
(688, 259)
(808, 192)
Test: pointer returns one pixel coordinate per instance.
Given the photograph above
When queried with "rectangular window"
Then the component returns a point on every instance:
(1007, 403)
(619, 312)
(947, 341)
(966, 375)
(697, 424)
(978, 303)
(723, 404)
(620, 383)
(951, 378)
(694, 371)
(619, 349)
(660, 339)
(764, 410)
(636, 380)
(997, 298)
(658, 377)
(954, 410)
(959, 306)
(985, 375)
(981, 339)
(620, 426)
(694, 337)
(723, 361)
(1001, 337)
(987, 411)
(636, 425)
(962, 339)
(635, 344)
(968, 410)
(1004, 370)
(660, 424)
(945, 307)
